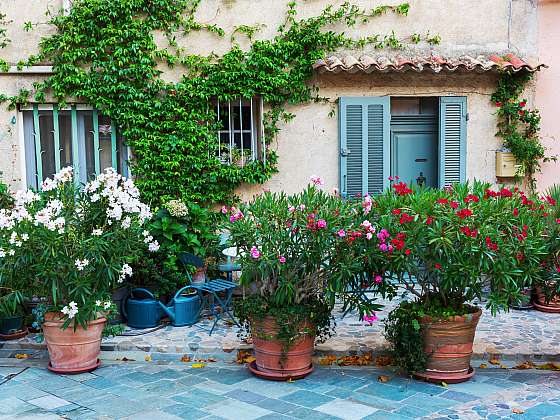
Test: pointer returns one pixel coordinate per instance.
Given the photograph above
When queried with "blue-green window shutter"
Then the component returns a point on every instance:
(452, 140)
(364, 124)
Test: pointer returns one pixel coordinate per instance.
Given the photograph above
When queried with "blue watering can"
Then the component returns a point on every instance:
(183, 310)
(141, 309)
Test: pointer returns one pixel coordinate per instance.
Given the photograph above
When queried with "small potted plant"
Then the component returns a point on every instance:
(442, 247)
(74, 245)
(11, 314)
(297, 251)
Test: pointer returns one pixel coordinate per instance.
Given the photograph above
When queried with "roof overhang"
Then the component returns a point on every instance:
(432, 64)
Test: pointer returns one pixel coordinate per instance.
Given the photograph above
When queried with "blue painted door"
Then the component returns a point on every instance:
(414, 157)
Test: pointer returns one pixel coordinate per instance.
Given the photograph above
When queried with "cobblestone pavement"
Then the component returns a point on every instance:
(162, 391)
(515, 335)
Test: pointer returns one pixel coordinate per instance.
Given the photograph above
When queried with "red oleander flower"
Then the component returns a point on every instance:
(516, 212)
(405, 218)
(454, 205)
(464, 213)
(550, 200)
(504, 192)
(396, 211)
(407, 252)
(402, 189)
(498, 104)
(442, 201)
(471, 198)
(429, 220)
(522, 104)
(437, 266)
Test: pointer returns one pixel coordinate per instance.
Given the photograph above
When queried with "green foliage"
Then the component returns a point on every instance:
(4, 40)
(518, 126)
(104, 52)
(11, 302)
(6, 199)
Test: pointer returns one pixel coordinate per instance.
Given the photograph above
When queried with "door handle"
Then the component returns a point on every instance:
(421, 160)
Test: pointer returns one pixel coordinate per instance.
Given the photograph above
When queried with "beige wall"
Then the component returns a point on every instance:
(309, 144)
(548, 88)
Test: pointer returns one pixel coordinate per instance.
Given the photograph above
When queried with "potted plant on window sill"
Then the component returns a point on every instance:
(297, 250)
(11, 314)
(75, 245)
(440, 246)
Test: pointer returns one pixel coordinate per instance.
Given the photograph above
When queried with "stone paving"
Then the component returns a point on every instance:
(514, 335)
(167, 391)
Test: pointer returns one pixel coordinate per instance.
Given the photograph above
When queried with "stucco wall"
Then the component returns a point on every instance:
(548, 88)
(309, 144)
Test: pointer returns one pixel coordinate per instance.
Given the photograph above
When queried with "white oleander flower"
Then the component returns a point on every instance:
(107, 305)
(97, 303)
(81, 264)
(97, 232)
(153, 246)
(48, 185)
(70, 310)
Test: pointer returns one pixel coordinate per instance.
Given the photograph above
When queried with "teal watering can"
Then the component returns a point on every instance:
(183, 310)
(141, 309)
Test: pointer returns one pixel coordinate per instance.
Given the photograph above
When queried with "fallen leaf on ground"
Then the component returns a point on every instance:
(549, 366)
(444, 384)
(483, 366)
(327, 360)
(383, 378)
(502, 366)
(148, 358)
(494, 361)
(185, 359)
(383, 360)
(525, 365)
(518, 411)
(125, 359)
(21, 356)
(245, 356)
(198, 365)
(290, 380)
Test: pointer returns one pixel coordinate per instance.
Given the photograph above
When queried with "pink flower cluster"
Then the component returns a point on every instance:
(383, 235)
(371, 318)
(370, 230)
(317, 180)
(255, 253)
(367, 204)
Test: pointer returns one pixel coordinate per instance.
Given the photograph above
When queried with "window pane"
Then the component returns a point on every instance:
(105, 152)
(65, 135)
(222, 116)
(47, 143)
(246, 141)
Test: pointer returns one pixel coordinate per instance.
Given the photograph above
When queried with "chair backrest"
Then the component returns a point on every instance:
(190, 259)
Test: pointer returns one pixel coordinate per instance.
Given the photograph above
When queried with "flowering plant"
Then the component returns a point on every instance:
(298, 251)
(445, 247)
(74, 245)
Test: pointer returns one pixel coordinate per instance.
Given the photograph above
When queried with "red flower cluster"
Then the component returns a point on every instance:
(402, 189)
(491, 245)
(442, 201)
(405, 218)
(464, 213)
(429, 220)
(454, 205)
(471, 198)
(398, 241)
(396, 212)
(469, 232)
(504, 192)
(550, 200)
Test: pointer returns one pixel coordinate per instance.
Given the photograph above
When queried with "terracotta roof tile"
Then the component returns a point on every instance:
(434, 64)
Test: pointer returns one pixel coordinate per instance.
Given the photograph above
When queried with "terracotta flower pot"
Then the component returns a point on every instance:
(553, 306)
(72, 351)
(199, 277)
(272, 362)
(449, 345)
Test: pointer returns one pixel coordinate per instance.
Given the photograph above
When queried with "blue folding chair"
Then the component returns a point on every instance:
(209, 293)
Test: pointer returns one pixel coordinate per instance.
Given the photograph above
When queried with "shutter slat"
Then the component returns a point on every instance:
(375, 148)
(354, 127)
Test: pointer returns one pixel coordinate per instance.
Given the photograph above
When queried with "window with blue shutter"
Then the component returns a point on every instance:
(364, 146)
(452, 140)
(365, 143)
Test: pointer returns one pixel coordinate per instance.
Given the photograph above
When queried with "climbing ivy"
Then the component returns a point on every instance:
(105, 54)
(4, 40)
(519, 126)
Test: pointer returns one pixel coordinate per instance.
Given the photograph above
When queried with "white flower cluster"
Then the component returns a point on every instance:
(153, 245)
(97, 232)
(64, 175)
(126, 271)
(81, 264)
(104, 305)
(176, 208)
(70, 310)
(50, 217)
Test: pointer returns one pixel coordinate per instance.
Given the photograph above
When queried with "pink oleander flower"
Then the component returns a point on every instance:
(371, 318)
(317, 180)
(369, 235)
(321, 223)
(341, 233)
(383, 247)
(383, 235)
(378, 279)
(282, 259)
(367, 204)
(255, 253)
(291, 209)
(224, 210)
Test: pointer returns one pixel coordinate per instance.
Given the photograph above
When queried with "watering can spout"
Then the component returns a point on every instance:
(168, 311)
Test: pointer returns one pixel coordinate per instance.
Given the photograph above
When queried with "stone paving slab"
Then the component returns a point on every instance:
(516, 335)
(162, 390)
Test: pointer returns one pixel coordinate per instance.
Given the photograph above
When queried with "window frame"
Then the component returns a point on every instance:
(256, 130)
(30, 141)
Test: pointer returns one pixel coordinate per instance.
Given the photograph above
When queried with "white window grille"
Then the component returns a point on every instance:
(77, 136)
(241, 134)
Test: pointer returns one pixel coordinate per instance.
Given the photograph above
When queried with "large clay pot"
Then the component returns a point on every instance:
(72, 351)
(448, 345)
(553, 306)
(275, 363)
